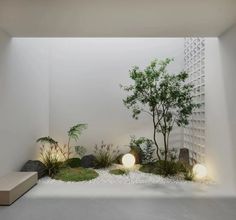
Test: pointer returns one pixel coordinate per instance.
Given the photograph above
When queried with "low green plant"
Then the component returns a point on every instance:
(75, 174)
(148, 149)
(164, 168)
(73, 162)
(189, 175)
(118, 172)
(105, 155)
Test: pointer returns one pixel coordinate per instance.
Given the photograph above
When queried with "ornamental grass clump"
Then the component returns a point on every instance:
(50, 155)
(105, 155)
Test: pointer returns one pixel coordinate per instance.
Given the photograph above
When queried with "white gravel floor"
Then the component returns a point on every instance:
(134, 177)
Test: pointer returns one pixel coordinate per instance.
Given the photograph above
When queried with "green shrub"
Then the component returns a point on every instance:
(105, 155)
(118, 172)
(189, 175)
(118, 159)
(164, 168)
(73, 162)
(75, 174)
(147, 168)
(144, 149)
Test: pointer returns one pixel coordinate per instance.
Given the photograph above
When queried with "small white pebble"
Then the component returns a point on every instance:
(134, 177)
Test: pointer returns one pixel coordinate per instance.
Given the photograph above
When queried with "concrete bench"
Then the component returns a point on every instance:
(15, 184)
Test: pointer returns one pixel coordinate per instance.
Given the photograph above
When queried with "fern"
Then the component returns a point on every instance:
(47, 140)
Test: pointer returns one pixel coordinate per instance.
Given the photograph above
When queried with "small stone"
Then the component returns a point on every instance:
(184, 155)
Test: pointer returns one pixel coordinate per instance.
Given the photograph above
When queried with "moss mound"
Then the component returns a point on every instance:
(73, 162)
(75, 174)
(117, 172)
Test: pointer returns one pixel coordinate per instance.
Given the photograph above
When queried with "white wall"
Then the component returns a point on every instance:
(24, 107)
(48, 85)
(221, 108)
(85, 78)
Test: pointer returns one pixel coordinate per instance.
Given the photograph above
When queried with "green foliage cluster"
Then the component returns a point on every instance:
(75, 174)
(73, 162)
(105, 155)
(189, 175)
(164, 168)
(118, 172)
(146, 146)
(52, 154)
(171, 154)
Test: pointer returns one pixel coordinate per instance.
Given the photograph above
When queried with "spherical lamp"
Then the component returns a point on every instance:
(128, 160)
(199, 171)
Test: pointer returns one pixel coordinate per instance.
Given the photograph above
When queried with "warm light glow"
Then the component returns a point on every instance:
(199, 171)
(128, 160)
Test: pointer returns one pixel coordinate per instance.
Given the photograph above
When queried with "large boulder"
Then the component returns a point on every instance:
(138, 154)
(88, 161)
(35, 166)
(184, 156)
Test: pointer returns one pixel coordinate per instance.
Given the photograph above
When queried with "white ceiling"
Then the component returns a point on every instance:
(116, 18)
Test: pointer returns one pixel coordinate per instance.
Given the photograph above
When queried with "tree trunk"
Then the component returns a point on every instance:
(154, 135)
(68, 149)
(155, 142)
(165, 147)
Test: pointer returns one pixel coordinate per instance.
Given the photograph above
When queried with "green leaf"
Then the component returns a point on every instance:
(76, 131)
(46, 140)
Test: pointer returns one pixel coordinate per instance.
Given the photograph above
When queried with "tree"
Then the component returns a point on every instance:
(166, 97)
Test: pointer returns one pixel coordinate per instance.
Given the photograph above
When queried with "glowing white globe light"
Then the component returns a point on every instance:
(128, 160)
(199, 171)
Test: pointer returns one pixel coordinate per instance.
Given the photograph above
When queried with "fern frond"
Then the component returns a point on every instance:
(76, 131)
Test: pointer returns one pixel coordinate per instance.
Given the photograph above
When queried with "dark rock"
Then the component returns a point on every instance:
(184, 155)
(138, 154)
(88, 161)
(35, 166)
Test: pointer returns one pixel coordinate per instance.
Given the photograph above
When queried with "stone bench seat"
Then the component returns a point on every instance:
(15, 184)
